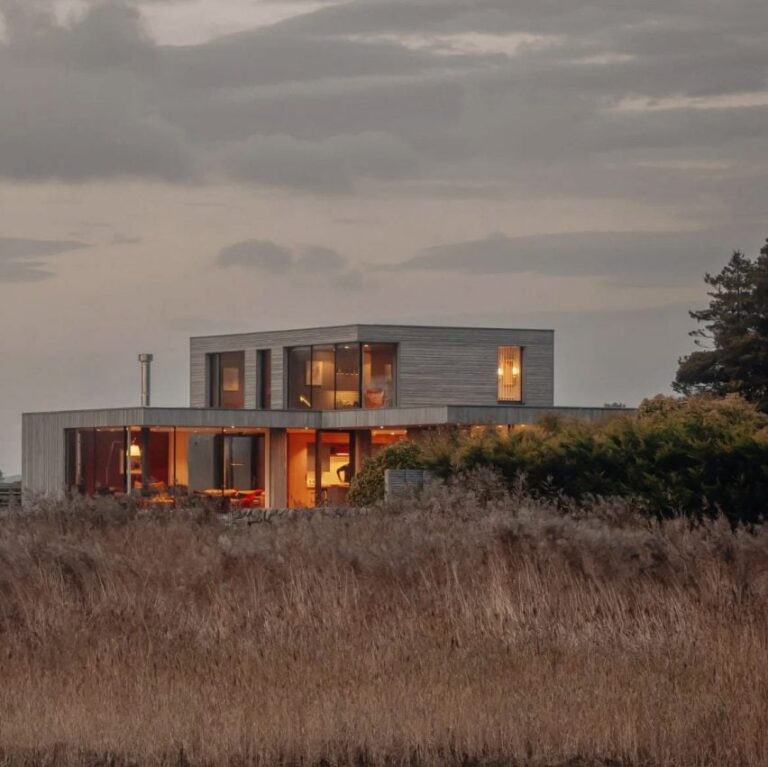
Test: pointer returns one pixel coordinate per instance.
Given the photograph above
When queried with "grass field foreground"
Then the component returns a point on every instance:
(444, 631)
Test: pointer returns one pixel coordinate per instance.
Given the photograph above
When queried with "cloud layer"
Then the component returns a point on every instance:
(476, 97)
(270, 259)
(22, 260)
(398, 132)
(639, 258)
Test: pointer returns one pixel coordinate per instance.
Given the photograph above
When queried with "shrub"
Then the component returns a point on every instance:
(695, 456)
(367, 486)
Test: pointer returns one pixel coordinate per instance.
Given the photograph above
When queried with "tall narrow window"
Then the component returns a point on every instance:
(510, 374)
(347, 376)
(379, 375)
(300, 377)
(226, 380)
(264, 379)
(319, 375)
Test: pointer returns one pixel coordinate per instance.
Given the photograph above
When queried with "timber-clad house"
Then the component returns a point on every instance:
(286, 418)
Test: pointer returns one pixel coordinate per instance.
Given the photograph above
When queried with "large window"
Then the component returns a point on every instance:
(510, 374)
(226, 380)
(347, 376)
(95, 461)
(320, 467)
(342, 376)
(378, 375)
(166, 466)
(320, 376)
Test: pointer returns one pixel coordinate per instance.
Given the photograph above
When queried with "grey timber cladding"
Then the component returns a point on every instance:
(436, 365)
(43, 433)
(42, 444)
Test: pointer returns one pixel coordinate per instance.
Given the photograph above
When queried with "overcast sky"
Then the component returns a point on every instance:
(181, 167)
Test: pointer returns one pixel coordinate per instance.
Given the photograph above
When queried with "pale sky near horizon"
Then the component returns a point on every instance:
(172, 168)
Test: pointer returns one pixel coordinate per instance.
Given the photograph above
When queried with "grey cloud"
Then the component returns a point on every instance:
(630, 258)
(317, 111)
(319, 259)
(586, 18)
(124, 239)
(331, 100)
(76, 126)
(271, 56)
(263, 255)
(24, 271)
(315, 261)
(15, 249)
(332, 166)
(21, 260)
(109, 35)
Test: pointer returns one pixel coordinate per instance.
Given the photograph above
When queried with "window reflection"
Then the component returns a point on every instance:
(342, 376)
(320, 373)
(378, 375)
(347, 376)
(165, 466)
(299, 379)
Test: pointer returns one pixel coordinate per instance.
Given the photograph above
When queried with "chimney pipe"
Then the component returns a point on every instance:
(146, 379)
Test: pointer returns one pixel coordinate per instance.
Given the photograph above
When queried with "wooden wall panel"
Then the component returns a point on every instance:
(43, 433)
(278, 478)
(436, 365)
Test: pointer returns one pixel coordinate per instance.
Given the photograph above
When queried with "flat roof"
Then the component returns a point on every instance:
(393, 325)
(434, 415)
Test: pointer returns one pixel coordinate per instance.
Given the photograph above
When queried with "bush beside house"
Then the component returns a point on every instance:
(693, 456)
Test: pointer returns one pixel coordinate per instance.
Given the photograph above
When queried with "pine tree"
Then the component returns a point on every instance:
(734, 336)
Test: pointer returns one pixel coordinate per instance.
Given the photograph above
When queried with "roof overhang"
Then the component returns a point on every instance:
(435, 415)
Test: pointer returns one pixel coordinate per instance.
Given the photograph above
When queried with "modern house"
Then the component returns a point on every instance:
(286, 418)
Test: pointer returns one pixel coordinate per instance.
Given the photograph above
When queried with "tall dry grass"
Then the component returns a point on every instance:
(448, 631)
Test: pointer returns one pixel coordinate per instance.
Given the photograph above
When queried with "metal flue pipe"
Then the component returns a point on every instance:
(146, 379)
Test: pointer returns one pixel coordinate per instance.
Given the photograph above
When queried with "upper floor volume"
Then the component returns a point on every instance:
(372, 367)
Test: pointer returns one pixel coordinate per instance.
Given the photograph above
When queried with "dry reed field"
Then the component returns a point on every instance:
(444, 631)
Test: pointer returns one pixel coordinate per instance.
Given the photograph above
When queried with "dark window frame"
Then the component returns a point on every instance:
(361, 378)
(214, 377)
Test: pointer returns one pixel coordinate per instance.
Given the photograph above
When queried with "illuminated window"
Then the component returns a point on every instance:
(226, 384)
(510, 374)
(342, 376)
(379, 375)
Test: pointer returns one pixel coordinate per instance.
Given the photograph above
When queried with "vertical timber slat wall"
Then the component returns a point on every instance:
(459, 366)
(251, 392)
(278, 389)
(42, 444)
(436, 365)
(278, 477)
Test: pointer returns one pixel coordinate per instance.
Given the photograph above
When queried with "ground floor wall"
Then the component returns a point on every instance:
(278, 459)
(176, 466)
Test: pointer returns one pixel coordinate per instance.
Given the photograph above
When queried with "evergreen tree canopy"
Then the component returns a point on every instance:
(733, 337)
